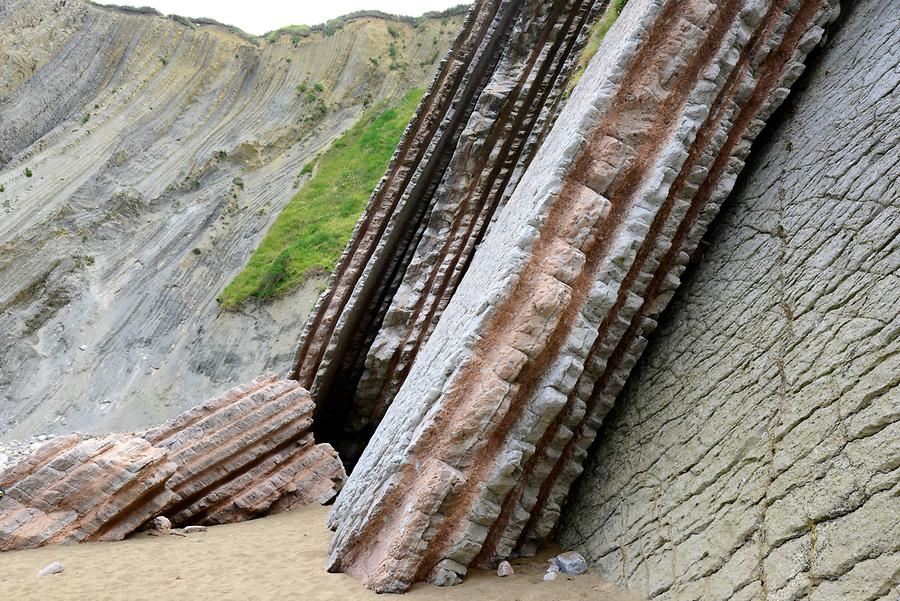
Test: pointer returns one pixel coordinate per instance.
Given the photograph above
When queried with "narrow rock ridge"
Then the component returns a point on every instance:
(482, 442)
(476, 130)
(242, 451)
(241, 455)
(755, 452)
(71, 491)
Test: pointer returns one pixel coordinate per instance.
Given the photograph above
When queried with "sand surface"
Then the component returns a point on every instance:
(272, 559)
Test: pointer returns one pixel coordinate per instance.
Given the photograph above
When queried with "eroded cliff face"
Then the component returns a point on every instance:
(474, 457)
(141, 160)
(477, 130)
(754, 453)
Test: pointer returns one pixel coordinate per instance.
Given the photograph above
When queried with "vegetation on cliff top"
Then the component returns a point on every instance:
(309, 235)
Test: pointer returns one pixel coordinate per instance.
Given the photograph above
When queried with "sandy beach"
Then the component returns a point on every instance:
(276, 558)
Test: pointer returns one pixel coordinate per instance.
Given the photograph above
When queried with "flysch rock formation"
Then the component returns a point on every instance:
(755, 452)
(160, 151)
(477, 452)
(478, 127)
(73, 490)
(243, 454)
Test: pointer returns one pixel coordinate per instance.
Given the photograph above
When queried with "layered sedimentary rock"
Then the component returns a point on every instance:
(476, 130)
(71, 490)
(755, 453)
(484, 438)
(245, 452)
(160, 150)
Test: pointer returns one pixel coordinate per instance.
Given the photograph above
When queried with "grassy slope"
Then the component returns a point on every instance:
(312, 230)
(598, 32)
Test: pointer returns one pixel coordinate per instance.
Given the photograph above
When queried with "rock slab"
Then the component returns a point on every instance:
(240, 455)
(475, 456)
(755, 453)
(72, 490)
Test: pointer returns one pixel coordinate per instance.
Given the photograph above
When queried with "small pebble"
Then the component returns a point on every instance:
(550, 576)
(505, 569)
(194, 529)
(53, 568)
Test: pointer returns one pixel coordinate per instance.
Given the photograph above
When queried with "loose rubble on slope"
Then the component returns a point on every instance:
(243, 454)
(478, 450)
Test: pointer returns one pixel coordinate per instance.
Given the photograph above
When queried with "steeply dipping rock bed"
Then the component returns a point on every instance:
(755, 453)
(159, 151)
(477, 129)
(476, 454)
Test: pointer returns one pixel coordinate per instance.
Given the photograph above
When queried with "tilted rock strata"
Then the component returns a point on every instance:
(755, 453)
(71, 490)
(477, 129)
(476, 454)
(161, 151)
(245, 452)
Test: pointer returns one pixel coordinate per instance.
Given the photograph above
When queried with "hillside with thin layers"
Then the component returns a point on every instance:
(142, 159)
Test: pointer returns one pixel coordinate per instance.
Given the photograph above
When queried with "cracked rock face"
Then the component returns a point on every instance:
(475, 456)
(243, 454)
(754, 453)
(71, 491)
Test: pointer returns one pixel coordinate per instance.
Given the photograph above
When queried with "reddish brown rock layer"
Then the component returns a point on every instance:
(243, 454)
(71, 490)
(476, 454)
(242, 451)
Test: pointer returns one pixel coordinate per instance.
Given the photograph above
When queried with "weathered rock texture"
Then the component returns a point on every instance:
(476, 130)
(113, 252)
(246, 452)
(484, 438)
(755, 453)
(243, 454)
(71, 490)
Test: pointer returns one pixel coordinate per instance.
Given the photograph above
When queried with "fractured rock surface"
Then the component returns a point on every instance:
(73, 490)
(475, 456)
(241, 455)
(245, 452)
(475, 132)
(755, 453)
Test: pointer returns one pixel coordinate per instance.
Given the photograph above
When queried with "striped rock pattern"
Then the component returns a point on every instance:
(755, 453)
(161, 151)
(478, 127)
(482, 442)
(72, 490)
(245, 451)
(240, 455)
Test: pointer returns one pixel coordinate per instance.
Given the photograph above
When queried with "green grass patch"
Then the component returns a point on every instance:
(310, 233)
(598, 31)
